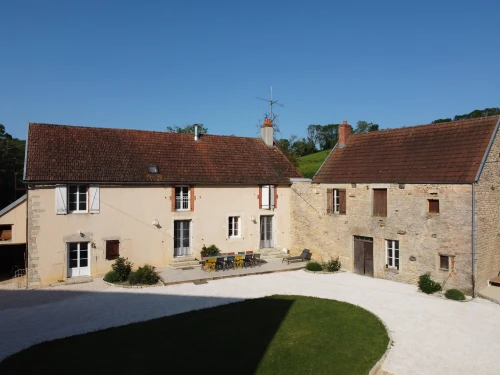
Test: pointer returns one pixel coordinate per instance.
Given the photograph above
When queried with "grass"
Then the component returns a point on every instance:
(309, 164)
(272, 335)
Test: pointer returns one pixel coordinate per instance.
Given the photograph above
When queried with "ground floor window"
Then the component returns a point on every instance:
(234, 226)
(444, 262)
(392, 253)
(112, 249)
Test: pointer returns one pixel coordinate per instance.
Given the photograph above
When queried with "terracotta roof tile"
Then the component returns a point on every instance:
(449, 152)
(61, 153)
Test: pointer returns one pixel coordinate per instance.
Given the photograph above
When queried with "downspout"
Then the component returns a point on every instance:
(473, 245)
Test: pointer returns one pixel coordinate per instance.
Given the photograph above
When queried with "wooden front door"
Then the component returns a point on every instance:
(363, 255)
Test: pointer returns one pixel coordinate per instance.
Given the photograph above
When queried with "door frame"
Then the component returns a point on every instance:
(190, 228)
(363, 260)
(69, 273)
(273, 234)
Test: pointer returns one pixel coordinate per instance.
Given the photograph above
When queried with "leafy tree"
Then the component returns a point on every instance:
(187, 129)
(304, 147)
(328, 136)
(365, 127)
(442, 120)
(286, 146)
(11, 162)
(474, 114)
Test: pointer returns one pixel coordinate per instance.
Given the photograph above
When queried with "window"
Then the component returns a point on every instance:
(380, 202)
(77, 197)
(392, 247)
(444, 262)
(433, 206)
(268, 197)
(182, 198)
(5, 232)
(234, 226)
(112, 249)
(336, 201)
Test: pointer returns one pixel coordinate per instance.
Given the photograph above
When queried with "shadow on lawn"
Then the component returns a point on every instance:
(228, 339)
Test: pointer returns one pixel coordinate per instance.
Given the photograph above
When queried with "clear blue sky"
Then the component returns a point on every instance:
(151, 64)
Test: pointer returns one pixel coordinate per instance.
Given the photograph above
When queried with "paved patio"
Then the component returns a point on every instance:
(430, 335)
(196, 274)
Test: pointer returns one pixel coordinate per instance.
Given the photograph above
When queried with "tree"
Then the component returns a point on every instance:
(304, 147)
(439, 120)
(286, 146)
(328, 136)
(365, 127)
(187, 129)
(11, 164)
(474, 114)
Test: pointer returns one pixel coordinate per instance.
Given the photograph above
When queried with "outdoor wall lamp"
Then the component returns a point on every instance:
(155, 222)
(252, 218)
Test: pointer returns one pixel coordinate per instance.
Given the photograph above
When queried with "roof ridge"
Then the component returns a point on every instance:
(423, 125)
(136, 130)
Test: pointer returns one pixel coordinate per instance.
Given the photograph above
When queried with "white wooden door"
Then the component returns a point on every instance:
(78, 259)
(181, 238)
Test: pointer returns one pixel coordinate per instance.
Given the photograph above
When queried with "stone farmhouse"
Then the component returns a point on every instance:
(398, 203)
(94, 194)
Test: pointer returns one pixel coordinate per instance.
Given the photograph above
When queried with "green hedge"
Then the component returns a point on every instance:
(314, 266)
(427, 285)
(145, 275)
(455, 294)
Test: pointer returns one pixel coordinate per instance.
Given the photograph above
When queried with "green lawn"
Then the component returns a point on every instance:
(309, 164)
(273, 335)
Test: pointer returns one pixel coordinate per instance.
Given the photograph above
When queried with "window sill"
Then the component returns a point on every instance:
(392, 270)
(183, 210)
(444, 270)
(78, 212)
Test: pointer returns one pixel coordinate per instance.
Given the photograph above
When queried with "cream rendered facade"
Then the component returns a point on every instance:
(126, 213)
(16, 217)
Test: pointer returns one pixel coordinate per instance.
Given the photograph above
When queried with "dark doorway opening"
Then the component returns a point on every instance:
(363, 255)
(11, 260)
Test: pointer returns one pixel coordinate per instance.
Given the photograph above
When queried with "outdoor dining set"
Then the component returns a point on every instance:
(227, 261)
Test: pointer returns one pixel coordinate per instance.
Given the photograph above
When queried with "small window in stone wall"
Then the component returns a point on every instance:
(433, 206)
(444, 262)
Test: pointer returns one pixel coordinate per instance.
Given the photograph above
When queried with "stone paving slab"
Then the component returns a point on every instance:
(172, 276)
(492, 293)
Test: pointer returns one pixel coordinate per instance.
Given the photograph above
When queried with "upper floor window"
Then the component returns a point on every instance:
(268, 197)
(77, 199)
(392, 247)
(234, 226)
(380, 202)
(182, 198)
(433, 206)
(336, 201)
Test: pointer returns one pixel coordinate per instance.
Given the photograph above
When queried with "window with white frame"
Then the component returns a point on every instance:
(78, 198)
(234, 226)
(392, 254)
(182, 198)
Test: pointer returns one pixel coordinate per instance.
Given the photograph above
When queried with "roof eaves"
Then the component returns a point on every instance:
(487, 152)
(12, 205)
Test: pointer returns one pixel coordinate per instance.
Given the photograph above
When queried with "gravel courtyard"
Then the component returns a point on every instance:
(431, 335)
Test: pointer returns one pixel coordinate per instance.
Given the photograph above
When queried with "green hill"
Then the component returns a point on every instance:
(309, 164)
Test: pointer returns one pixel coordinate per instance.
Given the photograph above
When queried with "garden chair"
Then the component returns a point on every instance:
(256, 260)
(210, 264)
(248, 260)
(232, 253)
(203, 261)
(219, 264)
(230, 262)
(305, 255)
(238, 261)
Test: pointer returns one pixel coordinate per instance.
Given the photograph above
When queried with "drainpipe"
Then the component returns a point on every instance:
(473, 245)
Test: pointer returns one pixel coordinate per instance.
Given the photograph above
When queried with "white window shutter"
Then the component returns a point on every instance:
(271, 196)
(265, 197)
(94, 199)
(61, 200)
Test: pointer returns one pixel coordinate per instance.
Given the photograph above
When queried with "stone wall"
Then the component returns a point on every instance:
(422, 236)
(487, 225)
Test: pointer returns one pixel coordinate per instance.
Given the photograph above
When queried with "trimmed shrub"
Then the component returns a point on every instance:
(122, 267)
(211, 250)
(314, 266)
(112, 277)
(144, 275)
(333, 265)
(455, 294)
(427, 285)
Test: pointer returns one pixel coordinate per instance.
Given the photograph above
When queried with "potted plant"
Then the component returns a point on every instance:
(211, 250)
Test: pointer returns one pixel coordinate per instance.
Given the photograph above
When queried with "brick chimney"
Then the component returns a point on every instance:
(266, 132)
(345, 131)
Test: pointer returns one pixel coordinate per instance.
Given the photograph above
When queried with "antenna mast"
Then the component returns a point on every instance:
(271, 103)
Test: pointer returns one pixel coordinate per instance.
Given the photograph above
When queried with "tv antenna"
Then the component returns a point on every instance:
(271, 103)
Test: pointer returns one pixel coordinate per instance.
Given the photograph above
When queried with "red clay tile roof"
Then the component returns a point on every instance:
(60, 153)
(449, 152)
